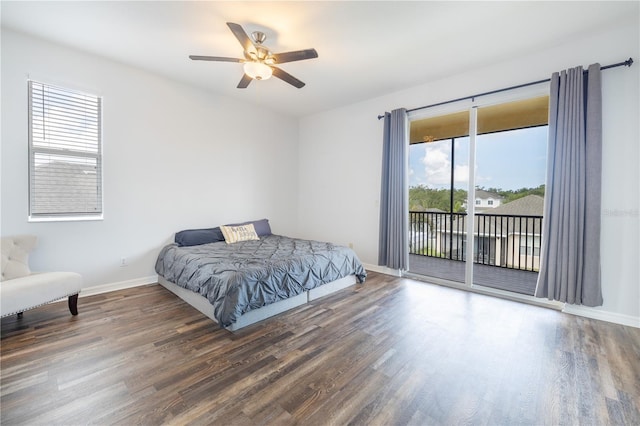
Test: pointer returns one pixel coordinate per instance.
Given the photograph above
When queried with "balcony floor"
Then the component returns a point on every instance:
(523, 282)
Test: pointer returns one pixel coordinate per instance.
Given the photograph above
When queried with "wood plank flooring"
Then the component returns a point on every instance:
(391, 352)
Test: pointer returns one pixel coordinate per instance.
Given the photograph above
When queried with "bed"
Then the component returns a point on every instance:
(239, 283)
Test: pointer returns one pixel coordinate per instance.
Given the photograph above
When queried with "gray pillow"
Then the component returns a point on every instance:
(195, 237)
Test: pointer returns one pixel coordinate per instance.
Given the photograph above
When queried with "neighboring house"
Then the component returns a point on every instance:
(507, 236)
(517, 235)
(487, 200)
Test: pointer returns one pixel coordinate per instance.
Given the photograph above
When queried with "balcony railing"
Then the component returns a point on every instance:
(506, 241)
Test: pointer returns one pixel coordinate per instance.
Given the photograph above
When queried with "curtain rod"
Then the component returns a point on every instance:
(627, 63)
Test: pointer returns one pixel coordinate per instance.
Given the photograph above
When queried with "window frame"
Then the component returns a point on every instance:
(61, 151)
(530, 246)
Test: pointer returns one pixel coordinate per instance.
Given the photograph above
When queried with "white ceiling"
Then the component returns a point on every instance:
(366, 48)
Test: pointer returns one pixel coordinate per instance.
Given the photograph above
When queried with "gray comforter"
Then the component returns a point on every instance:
(239, 277)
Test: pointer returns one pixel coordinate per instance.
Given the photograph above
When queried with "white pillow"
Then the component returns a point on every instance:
(234, 234)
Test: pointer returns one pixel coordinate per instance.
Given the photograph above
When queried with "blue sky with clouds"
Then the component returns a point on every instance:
(506, 160)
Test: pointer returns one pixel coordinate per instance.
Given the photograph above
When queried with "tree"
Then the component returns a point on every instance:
(422, 198)
(512, 195)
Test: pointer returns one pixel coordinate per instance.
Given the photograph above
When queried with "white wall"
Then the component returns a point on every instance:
(175, 158)
(340, 156)
(164, 145)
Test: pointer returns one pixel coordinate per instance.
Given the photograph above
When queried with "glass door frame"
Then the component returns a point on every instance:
(472, 105)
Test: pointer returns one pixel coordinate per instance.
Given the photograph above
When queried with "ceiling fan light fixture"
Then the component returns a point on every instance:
(257, 70)
(259, 62)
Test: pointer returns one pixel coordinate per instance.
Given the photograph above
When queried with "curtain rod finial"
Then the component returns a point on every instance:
(629, 62)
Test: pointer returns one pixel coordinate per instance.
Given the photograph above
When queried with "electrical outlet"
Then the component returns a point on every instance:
(350, 245)
(123, 262)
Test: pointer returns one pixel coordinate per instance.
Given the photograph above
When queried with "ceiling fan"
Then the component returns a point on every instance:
(259, 62)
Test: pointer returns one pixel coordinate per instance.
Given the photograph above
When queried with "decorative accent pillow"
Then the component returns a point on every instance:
(261, 226)
(15, 256)
(234, 234)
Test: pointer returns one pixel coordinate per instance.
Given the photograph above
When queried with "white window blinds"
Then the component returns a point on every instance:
(65, 152)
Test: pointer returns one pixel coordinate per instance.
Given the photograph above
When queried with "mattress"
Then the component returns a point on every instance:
(248, 275)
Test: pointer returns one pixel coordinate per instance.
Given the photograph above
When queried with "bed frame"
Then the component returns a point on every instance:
(203, 305)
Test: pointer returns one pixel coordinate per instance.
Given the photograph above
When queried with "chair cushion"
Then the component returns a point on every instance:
(15, 256)
(21, 294)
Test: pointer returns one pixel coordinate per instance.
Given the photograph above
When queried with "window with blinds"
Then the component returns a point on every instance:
(65, 153)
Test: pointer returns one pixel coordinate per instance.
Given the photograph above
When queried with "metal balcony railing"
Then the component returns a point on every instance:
(506, 241)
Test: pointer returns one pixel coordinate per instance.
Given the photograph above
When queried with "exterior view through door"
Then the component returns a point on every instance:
(478, 175)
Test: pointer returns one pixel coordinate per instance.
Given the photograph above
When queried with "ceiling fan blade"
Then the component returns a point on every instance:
(298, 55)
(244, 82)
(215, 58)
(285, 76)
(242, 37)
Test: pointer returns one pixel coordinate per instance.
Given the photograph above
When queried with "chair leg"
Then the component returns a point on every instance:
(19, 315)
(73, 304)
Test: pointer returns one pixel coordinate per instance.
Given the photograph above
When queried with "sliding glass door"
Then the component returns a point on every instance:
(476, 194)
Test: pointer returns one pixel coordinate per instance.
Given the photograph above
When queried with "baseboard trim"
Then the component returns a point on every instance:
(608, 316)
(121, 285)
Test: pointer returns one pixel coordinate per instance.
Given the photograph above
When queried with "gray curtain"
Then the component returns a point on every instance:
(570, 252)
(393, 247)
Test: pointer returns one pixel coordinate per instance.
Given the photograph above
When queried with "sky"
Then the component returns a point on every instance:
(506, 160)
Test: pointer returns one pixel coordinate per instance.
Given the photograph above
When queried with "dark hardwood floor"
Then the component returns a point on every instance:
(394, 351)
